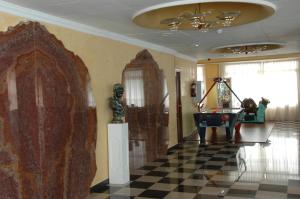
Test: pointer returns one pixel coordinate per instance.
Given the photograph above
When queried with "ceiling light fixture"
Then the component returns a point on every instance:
(249, 48)
(203, 15)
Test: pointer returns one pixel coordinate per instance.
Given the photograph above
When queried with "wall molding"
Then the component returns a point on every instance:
(31, 14)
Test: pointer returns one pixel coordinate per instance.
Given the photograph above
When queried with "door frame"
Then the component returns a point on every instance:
(179, 107)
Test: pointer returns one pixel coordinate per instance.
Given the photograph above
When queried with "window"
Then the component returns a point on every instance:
(276, 81)
(134, 88)
(200, 73)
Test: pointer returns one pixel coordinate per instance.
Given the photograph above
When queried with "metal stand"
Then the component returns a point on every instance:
(218, 80)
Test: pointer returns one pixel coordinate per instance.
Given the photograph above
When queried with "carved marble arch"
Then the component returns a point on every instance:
(147, 114)
(47, 117)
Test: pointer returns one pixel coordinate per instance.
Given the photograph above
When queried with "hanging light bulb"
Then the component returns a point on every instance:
(227, 17)
(172, 23)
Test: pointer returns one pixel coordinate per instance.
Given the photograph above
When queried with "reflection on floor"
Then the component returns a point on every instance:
(220, 170)
(248, 133)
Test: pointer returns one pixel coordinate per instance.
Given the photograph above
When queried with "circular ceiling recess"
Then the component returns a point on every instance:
(247, 48)
(203, 14)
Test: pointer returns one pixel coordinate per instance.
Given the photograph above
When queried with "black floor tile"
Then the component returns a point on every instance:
(241, 193)
(273, 188)
(181, 157)
(167, 164)
(99, 189)
(171, 152)
(139, 184)
(199, 177)
(223, 184)
(214, 148)
(185, 170)
(154, 194)
(293, 196)
(187, 189)
(227, 152)
(204, 154)
(134, 177)
(191, 151)
(211, 167)
(157, 173)
(147, 168)
(196, 162)
(120, 197)
(232, 147)
(203, 196)
(231, 163)
(161, 160)
(104, 189)
(171, 180)
(218, 159)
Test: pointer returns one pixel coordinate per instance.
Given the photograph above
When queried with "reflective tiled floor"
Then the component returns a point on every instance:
(221, 170)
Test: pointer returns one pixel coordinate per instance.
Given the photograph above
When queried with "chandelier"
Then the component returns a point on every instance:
(249, 48)
(203, 15)
(198, 20)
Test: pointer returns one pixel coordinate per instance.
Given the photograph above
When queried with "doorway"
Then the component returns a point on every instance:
(179, 108)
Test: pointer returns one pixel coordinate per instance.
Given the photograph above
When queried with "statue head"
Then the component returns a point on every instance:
(118, 90)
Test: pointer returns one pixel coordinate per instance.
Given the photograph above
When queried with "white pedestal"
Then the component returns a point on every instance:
(118, 153)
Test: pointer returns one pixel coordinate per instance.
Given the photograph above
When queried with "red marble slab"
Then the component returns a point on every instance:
(147, 123)
(47, 118)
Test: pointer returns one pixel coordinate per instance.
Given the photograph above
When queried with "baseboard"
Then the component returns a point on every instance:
(176, 146)
(96, 188)
(171, 149)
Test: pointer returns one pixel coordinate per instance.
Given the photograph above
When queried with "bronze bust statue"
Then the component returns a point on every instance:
(116, 103)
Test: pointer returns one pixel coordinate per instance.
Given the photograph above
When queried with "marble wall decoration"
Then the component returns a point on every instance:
(147, 111)
(47, 117)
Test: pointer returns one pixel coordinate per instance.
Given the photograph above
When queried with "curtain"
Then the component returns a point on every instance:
(134, 88)
(277, 81)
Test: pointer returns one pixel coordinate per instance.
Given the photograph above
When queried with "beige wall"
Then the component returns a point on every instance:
(188, 73)
(211, 71)
(105, 60)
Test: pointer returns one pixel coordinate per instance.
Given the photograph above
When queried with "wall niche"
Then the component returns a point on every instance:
(147, 109)
(47, 117)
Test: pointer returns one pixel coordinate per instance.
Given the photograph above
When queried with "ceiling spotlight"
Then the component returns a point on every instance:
(220, 31)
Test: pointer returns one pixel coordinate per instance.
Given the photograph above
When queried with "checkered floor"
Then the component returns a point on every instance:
(225, 170)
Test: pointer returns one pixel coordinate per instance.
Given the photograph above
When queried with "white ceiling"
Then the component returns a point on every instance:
(115, 16)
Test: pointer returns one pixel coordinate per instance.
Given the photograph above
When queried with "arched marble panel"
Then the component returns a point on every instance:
(147, 109)
(47, 117)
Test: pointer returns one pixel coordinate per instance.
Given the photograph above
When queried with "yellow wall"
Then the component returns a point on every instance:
(188, 73)
(105, 59)
(211, 71)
